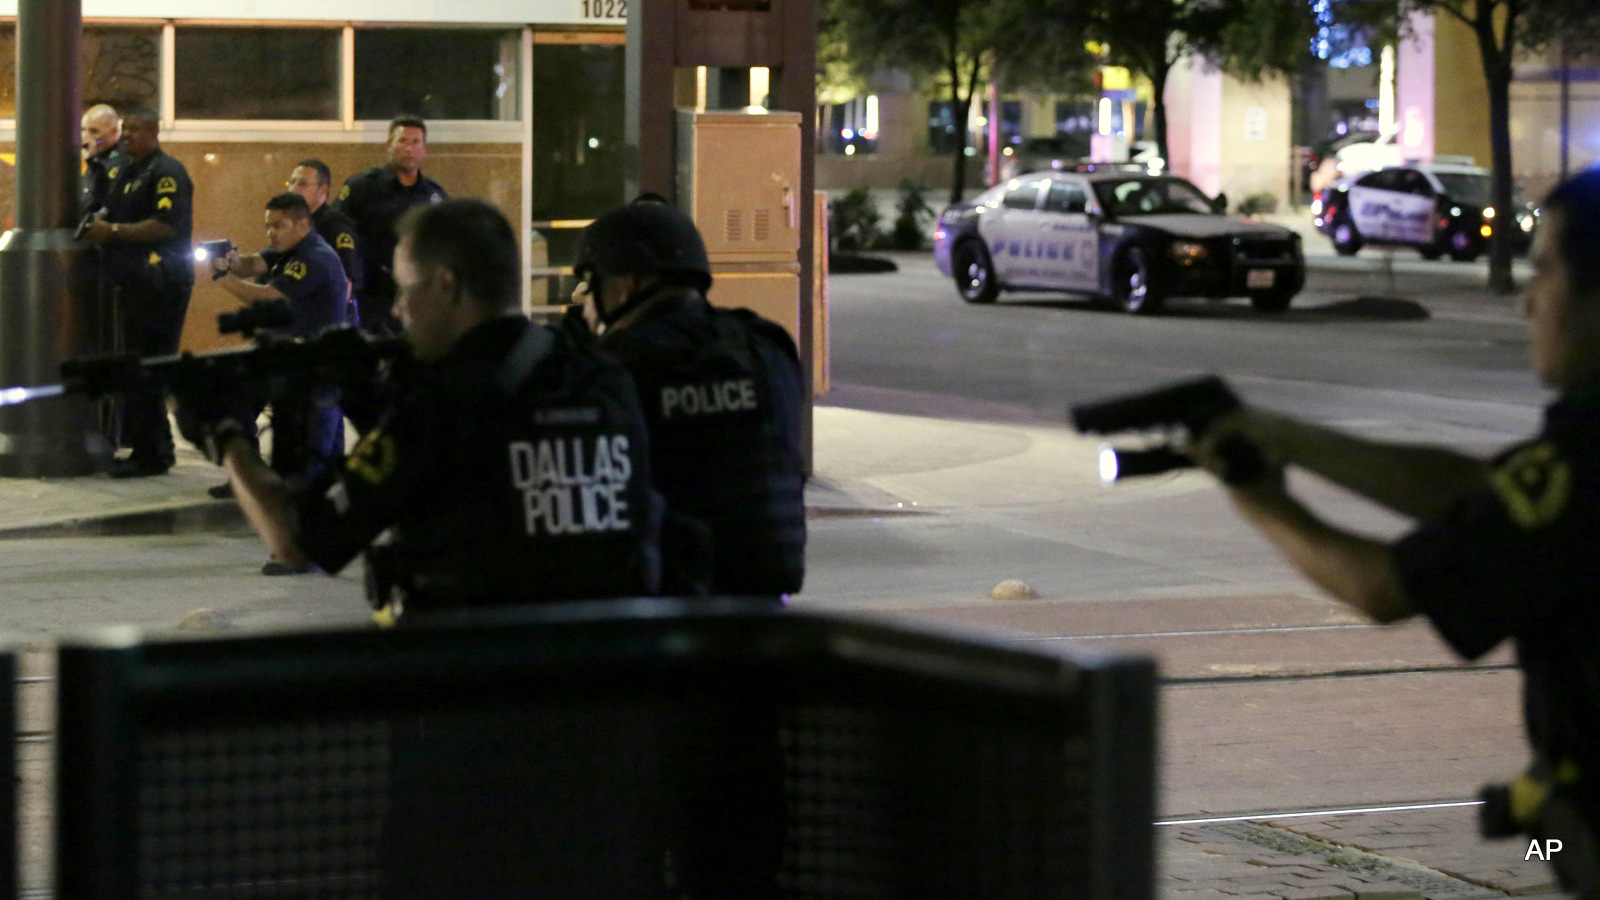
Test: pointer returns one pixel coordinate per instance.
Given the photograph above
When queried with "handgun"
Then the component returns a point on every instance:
(1191, 406)
(205, 251)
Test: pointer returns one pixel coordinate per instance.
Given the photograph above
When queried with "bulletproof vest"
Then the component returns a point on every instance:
(543, 486)
(724, 430)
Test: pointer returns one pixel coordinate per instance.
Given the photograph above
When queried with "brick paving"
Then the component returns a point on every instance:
(1411, 855)
(1251, 731)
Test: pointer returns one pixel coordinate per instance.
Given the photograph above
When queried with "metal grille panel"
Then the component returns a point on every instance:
(268, 810)
(582, 764)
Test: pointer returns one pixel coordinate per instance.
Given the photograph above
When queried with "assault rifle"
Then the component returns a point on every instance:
(1189, 406)
(337, 357)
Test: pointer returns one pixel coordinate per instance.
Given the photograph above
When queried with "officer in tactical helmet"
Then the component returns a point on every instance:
(510, 461)
(721, 391)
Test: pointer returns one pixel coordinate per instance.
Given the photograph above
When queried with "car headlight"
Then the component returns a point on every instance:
(1488, 212)
(1526, 223)
(1190, 252)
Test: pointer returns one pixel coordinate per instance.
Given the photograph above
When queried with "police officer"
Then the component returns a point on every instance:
(1503, 549)
(145, 231)
(101, 130)
(313, 180)
(722, 391)
(300, 268)
(512, 464)
(374, 201)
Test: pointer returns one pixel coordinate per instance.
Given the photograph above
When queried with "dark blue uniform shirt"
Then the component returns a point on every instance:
(156, 187)
(336, 228)
(1521, 559)
(312, 278)
(95, 182)
(374, 200)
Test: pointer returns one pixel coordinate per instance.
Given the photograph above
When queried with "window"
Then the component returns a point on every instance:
(580, 92)
(122, 67)
(1151, 196)
(1382, 180)
(1025, 197)
(1472, 190)
(943, 136)
(1414, 182)
(257, 73)
(1065, 197)
(437, 73)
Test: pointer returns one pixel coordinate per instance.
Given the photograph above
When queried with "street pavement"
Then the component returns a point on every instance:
(1286, 720)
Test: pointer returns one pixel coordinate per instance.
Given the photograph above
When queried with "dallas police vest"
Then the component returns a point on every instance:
(545, 489)
(724, 432)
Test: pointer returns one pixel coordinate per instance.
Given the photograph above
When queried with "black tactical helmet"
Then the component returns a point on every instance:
(644, 238)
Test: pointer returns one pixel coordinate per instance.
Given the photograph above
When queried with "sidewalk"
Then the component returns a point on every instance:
(980, 463)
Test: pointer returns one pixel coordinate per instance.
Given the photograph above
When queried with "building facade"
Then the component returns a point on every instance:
(525, 104)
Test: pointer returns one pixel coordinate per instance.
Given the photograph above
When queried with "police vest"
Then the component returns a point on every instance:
(724, 431)
(545, 487)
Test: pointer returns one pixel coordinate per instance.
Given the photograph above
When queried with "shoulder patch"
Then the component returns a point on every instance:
(1534, 484)
(164, 203)
(295, 270)
(345, 241)
(167, 185)
(155, 258)
(373, 460)
(113, 172)
(344, 192)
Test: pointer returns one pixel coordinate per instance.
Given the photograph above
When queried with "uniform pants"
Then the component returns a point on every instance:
(307, 433)
(152, 325)
(376, 312)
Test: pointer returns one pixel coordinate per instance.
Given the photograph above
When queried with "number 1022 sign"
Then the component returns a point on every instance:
(593, 10)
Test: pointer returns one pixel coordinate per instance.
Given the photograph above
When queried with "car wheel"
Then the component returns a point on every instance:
(1346, 239)
(974, 273)
(1463, 248)
(1272, 301)
(1136, 290)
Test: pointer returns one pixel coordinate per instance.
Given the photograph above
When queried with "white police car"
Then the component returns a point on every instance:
(1133, 237)
(1438, 208)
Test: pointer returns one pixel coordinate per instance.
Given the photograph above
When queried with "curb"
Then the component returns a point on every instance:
(211, 516)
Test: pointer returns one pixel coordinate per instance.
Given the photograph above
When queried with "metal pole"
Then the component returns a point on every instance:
(1566, 109)
(650, 131)
(43, 319)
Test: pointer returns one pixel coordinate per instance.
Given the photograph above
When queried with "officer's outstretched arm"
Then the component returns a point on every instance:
(265, 499)
(1416, 481)
(1355, 569)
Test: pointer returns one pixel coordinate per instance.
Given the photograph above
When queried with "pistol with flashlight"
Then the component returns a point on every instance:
(206, 251)
(1190, 407)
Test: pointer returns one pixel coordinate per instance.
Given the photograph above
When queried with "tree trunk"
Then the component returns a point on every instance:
(959, 109)
(1158, 83)
(1497, 73)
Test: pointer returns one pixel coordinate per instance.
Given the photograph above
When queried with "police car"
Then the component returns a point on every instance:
(1134, 238)
(1438, 208)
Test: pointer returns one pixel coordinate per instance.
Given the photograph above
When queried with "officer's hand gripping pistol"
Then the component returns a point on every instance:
(1189, 406)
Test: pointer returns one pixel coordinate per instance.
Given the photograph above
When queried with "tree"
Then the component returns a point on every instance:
(948, 38)
(1249, 39)
(964, 43)
(1503, 28)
